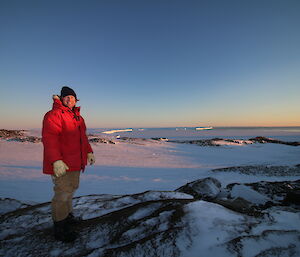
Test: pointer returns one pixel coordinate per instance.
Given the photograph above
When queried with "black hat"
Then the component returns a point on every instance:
(67, 91)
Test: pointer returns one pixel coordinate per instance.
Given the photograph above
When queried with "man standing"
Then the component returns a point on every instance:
(66, 153)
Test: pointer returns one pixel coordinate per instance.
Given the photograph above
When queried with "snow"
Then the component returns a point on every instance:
(143, 212)
(235, 142)
(249, 194)
(251, 248)
(219, 225)
(91, 207)
(156, 168)
(8, 205)
(280, 219)
(216, 223)
(126, 168)
(205, 227)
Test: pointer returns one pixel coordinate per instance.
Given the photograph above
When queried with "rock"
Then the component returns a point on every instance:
(262, 195)
(18, 136)
(101, 140)
(263, 244)
(30, 139)
(9, 205)
(249, 194)
(164, 139)
(264, 140)
(263, 170)
(240, 205)
(152, 224)
(221, 141)
(112, 226)
(207, 188)
(132, 140)
(4, 133)
(204, 142)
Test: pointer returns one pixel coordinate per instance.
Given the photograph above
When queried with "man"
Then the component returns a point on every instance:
(66, 153)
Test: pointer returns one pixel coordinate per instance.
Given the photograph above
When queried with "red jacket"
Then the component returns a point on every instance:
(64, 138)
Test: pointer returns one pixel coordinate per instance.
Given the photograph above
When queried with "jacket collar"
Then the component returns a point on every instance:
(57, 104)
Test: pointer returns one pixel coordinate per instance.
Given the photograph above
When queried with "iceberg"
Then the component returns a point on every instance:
(204, 128)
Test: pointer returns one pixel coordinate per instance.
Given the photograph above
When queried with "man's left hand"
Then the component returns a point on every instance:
(91, 158)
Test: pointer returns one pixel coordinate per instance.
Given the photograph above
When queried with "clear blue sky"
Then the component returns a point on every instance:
(152, 63)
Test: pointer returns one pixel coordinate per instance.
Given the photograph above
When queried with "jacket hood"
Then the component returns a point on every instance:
(57, 104)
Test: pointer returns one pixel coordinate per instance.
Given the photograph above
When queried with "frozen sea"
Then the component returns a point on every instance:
(190, 133)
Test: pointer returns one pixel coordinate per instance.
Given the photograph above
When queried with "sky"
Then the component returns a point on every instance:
(143, 63)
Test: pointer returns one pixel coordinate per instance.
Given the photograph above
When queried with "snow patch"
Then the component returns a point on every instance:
(248, 194)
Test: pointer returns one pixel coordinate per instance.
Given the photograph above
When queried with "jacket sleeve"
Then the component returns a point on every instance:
(89, 148)
(52, 128)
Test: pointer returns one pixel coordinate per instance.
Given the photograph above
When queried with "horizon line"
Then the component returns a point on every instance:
(140, 127)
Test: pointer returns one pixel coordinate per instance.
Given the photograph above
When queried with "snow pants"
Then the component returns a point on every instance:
(64, 188)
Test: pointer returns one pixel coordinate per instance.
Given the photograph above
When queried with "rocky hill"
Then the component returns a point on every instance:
(254, 219)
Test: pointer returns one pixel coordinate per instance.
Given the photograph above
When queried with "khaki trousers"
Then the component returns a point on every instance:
(64, 188)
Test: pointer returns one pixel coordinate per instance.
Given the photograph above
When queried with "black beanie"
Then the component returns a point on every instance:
(67, 91)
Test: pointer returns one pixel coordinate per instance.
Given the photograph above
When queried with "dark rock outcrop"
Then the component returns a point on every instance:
(101, 140)
(150, 224)
(276, 192)
(30, 139)
(164, 139)
(206, 189)
(5, 133)
(266, 170)
(156, 223)
(144, 224)
(203, 142)
(217, 141)
(20, 136)
(254, 198)
(249, 198)
(264, 140)
(9, 205)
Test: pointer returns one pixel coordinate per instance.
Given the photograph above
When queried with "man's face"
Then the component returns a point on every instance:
(69, 101)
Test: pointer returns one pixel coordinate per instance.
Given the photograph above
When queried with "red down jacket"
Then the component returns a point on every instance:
(64, 138)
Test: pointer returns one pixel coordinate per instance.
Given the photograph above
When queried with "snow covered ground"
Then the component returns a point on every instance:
(121, 219)
(140, 165)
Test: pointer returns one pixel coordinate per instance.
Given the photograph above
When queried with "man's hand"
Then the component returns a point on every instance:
(59, 168)
(91, 158)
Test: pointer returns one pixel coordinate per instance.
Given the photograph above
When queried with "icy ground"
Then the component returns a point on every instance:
(229, 217)
(161, 223)
(128, 167)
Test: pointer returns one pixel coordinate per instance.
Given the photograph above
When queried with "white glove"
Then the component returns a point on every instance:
(91, 158)
(59, 168)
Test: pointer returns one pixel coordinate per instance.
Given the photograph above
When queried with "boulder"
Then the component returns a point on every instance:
(207, 188)
(262, 195)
